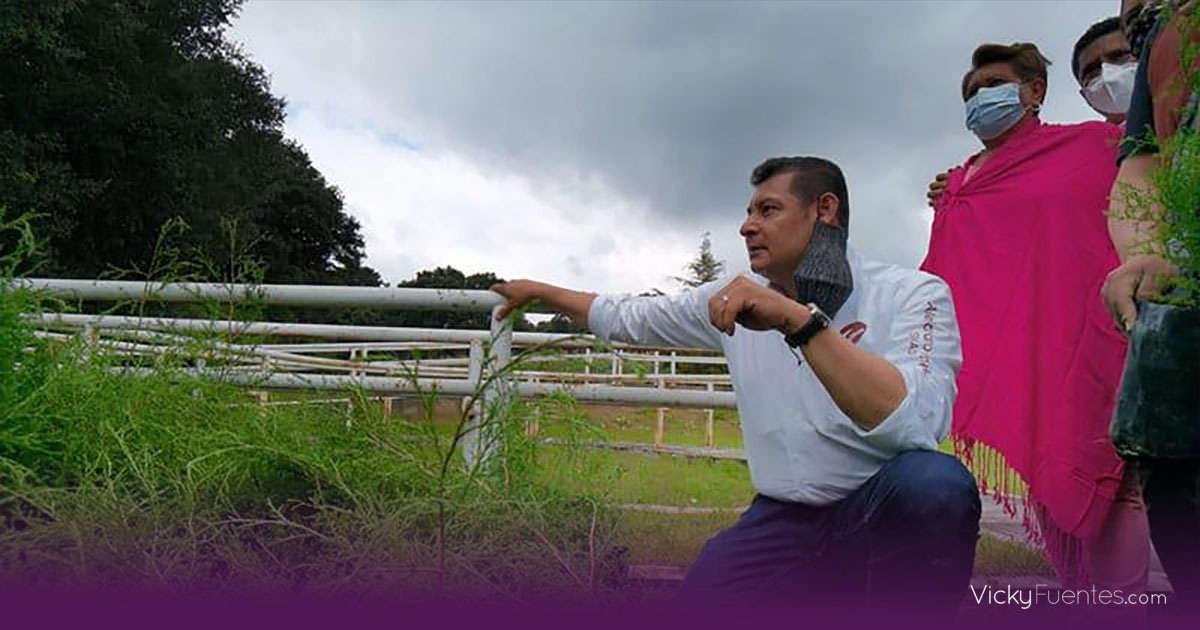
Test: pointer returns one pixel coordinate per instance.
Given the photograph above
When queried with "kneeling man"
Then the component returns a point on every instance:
(844, 372)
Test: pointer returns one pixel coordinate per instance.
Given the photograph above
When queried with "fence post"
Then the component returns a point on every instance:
(532, 428)
(660, 426)
(496, 395)
(200, 365)
(471, 439)
(91, 342)
(709, 438)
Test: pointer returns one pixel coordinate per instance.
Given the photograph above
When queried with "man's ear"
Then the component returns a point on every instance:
(828, 206)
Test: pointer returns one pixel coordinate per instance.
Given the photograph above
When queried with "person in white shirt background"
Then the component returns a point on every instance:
(844, 372)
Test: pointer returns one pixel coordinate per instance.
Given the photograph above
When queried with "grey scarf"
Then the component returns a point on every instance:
(823, 276)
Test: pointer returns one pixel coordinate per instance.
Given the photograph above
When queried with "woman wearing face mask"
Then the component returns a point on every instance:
(1020, 235)
(1104, 65)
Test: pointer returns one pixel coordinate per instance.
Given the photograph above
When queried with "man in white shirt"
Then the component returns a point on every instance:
(841, 413)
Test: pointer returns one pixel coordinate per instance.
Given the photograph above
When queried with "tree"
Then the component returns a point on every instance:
(559, 323)
(119, 117)
(449, 278)
(704, 268)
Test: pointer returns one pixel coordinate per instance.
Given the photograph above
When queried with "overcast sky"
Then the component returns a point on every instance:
(591, 144)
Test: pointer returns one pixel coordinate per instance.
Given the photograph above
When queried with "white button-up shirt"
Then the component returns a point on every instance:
(799, 445)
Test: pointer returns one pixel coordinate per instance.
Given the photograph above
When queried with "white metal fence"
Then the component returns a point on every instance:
(293, 361)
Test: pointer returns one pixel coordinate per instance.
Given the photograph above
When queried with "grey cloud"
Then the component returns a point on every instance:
(601, 245)
(672, 104)
(575, 266)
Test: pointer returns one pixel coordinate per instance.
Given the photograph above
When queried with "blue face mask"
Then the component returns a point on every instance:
(994, 110)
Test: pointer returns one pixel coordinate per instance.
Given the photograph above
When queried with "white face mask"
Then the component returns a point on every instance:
(1110, 92)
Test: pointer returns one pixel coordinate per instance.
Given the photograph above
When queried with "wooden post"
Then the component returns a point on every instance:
(673, 367)
(387, 408)
(531, 426)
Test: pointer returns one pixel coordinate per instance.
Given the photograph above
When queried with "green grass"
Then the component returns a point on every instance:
(657, 480)
(669, 539)
(675, 539)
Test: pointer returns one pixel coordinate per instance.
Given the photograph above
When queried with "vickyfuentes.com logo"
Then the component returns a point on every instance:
(1025, 598)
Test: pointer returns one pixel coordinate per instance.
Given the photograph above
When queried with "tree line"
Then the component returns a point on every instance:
(143, 142)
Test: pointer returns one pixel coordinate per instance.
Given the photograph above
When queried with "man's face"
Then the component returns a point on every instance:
(777, 228)
(999, 73)
(1112, 48)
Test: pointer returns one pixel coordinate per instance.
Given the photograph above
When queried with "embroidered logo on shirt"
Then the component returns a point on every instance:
(920, 342)
(853, 331)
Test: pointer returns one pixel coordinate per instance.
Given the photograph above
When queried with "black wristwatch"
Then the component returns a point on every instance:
(817, 321)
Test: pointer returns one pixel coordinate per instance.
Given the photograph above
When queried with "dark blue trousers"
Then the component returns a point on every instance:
(904, 539)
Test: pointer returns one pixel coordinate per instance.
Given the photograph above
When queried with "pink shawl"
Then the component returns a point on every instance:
(1024, 246)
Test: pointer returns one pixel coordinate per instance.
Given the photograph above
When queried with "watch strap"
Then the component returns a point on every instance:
(817, 321)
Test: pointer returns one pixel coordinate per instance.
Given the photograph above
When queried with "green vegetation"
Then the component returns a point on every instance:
(119, 117)
(1171, 204)
(181, 484)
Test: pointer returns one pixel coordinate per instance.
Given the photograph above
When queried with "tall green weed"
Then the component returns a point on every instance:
(176, 481)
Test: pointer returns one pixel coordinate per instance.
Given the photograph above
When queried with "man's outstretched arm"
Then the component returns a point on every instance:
(573, 304)
(670, 320)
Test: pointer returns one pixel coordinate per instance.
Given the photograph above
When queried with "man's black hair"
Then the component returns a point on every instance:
(811, 177)
(1094, 32)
